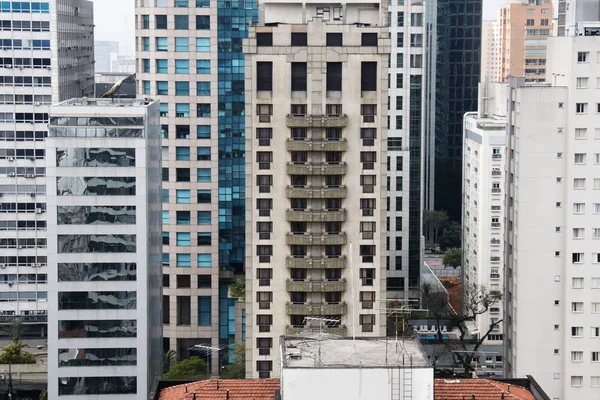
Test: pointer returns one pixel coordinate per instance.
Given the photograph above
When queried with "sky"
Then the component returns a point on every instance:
(114, 21)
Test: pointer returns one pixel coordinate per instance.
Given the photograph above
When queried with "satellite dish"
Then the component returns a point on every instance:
(115, 88)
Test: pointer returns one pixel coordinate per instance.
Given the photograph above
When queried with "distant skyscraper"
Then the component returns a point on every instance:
(104, 50)
(455, 61)
(490, 45)
(190, 56)
(104, 234)
(524, 27)
(40, 40)
(316, 167)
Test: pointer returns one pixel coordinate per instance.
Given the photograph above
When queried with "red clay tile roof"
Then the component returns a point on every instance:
(483, 389)
(239, 389)
(452, 285)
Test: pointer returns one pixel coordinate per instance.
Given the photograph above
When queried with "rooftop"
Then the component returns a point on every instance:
(222, 389)
(106, 102)
(348, 353)
(478, 389)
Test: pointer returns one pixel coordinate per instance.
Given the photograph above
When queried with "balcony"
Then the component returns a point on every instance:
(332, 330)
(316, 262)
(315, 286)
(315, 239)
(317, 169)
(317, 145)
(316, 192)
(316, 309)
(495, 258)
(317, 121)
(316, 216)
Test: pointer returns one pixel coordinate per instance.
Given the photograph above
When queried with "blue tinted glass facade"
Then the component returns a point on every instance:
(232, 18)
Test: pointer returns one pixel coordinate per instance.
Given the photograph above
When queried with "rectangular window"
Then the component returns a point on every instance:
(368, 76)
(183, 239)
(182, 44)
(182, 66)
(203, 131)
(203, 153)
(183, 217)
(264, 76)
(165, 218)
(162, 88)
(203, 66)
(299, 39)
(204, 196)
(203, 45)
(369, 39)
(203, 174)
(264, 39)
(299, 74)
(581, 108)
(582, 83)
(183, 196)
(183, 260)
(202, 88)
(203, 110)
(162, 66)
(204, 310)
(202, 22)
(182, 22)
(204, 238)
(334, 39)
(182, 89)
(334, 76)
(204, 217)
(204, 261)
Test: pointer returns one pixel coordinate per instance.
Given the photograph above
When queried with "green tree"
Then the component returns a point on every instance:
(433, 223)
(451, 236)
(170, 359)
(44, 395)
(238, 288)
(194, 368)
(452, 258)
(14, 329)
(14, 354)
(236, 370)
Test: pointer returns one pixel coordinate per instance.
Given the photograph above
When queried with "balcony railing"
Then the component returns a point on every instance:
(316, 239)
(316, 309)
(315, 286)
(316, 216)
(317, 121)
(316, 262)
(316, 192)
(317, 145)
(332, 330)
(317, 169)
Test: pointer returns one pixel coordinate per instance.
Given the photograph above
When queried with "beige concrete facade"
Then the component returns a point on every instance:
(315, 229)
(524, 27)
(490, 46)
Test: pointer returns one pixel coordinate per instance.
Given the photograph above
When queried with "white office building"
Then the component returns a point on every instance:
(552, 224)
(46, 55)
(572, 12)
(104, 249)
(484, 156)
(316, 137)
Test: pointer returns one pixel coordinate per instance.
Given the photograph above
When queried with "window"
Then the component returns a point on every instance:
(595, 258)
(580, 158)
(203, 110)
(334, 76)
(203, 45)
(204, 238)
(146, 65)
(203, 131)
(577, 356)
(183, 260)
(146, 85)
(581, 108)
(182, 66)
(204, 310)
(577, 283)
(576, 307)
(416, 40)
(578, 233)
(580, 133)
(162, 87)
(578, 208)
(368, 39)
(182, 22)
(161, 21)
(183, 196)
(416, 60)
(165, 217)
(577, 331)
(182, 153)
(182, 174)
(368, 77)
(579, 183)
(183, 310)
(204, 260)
(145, 22)
(596, 233)
(264, 39)
(530, 22)
(583, 56)
(334, 39)
(595, 356)
(595, 332)
(596, 283)
(182, 110)
(202, 22)
(182, 89)
(576, 380)
(595, 308)
(299, 74)
(367, 322)
(416, 19)
(264, 76)
(183, 239)
(162, 66)
(582, 83)
(183, 217)
(400, 19)
(204, 217)
(203, 174)
(182, 44)
(203, 66)
(577, 258)
(203, 153)
(299, 39)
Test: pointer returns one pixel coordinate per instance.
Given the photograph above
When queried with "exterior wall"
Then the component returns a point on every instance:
(406, 142)
(490, 45)
(287, 318)
(524, 28)
(23, 128)
(574, 11)
(67, 346)
(541, 245)
(345, 383)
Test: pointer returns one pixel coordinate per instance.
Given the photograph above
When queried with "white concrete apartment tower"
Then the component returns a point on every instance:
(46, 56)
(104, 287)
(552, 211)
(316, 135)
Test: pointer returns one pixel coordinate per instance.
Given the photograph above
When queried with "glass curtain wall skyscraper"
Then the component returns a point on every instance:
(189, 55)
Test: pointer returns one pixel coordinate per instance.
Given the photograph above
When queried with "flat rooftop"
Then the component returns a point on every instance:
(300, 352)
(106, 102)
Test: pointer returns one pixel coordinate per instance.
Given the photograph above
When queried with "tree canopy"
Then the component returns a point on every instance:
(452, 258)
(193, 368)
(14, 354)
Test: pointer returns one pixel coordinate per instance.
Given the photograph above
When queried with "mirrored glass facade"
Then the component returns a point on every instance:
(91, 215)
(119, 328)
(96, 244)
(96, 132)
(95, 186)
(97, 300)
(97, 385)
(97, 272)
(96, 357)
(95, 157)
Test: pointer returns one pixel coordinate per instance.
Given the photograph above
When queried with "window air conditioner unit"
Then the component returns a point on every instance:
(11, 174)
(11, 159)
(38, 210)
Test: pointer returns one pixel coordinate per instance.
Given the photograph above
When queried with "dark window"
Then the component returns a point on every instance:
(298, 76)
(182, 22)
(182, 131)
(334, 39)
(202, 22)
(204, 281)
(161, 22)
(369, 39)
(264, 39)
(264, 76)
(183, 174)
(184, 312)
(166, 280)
(183, 281)
(165, 174)
(166, 310)
(368, 76)
(299, 39)
(334, 76)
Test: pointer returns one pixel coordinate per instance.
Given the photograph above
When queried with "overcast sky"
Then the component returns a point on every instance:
(115, 22)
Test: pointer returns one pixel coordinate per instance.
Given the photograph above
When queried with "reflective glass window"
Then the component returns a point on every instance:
(79, 272)
(183, 218)
(182, 22)
(95, 157)
(204, 310)
(203, 45)
(97, 328)
(204, 217)
(183, 239)
(182, 153)
(78, 357)
(183, 196)
(165, 217)
(204, 260)
(97, 385)
(202, 22)
(203, 88)
(182, 89)
(203, 153)
(97, 300)
(203, 131)
(204, 196)
(182, 44)
(95, 186)
(161, 44)
(203, 174)
(96, 243)
(165, 195)
(96, 215)
(203, 66)
(182, 110)
(184, 260)
(162, 66)
(182, 66)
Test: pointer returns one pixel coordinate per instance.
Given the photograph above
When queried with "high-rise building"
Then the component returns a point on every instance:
(453, 67)
(524, 27)
(190, 57)
(406, 141)
(552, 224)
(573, 11)
(490, 46)
(317, 85)
(48, 56)
(104, 286)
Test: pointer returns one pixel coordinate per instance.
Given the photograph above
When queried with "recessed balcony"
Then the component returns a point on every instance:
(316, 239)
(332, 330)
(316, 262)
(316, 216)
(316, 192)
(317, 169)
(315, 286)
(317, 145)
(316, 309)
(317, 121)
